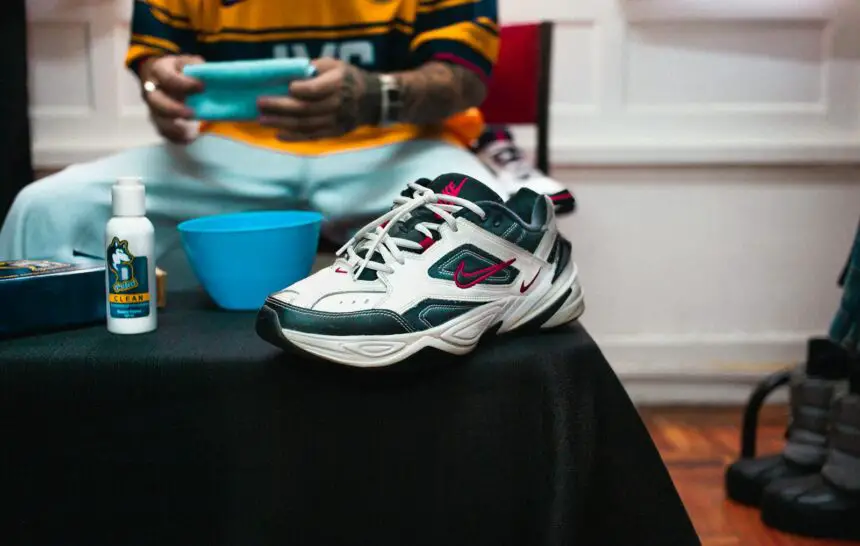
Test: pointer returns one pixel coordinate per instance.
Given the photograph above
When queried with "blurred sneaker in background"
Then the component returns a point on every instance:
(496, 148)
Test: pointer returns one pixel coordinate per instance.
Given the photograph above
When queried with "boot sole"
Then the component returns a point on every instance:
(743, 490)
(835, 526)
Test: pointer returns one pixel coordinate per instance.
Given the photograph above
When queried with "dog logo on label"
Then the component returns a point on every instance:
(122, 266)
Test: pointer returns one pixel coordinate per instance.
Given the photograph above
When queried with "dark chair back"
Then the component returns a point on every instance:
(15, 155)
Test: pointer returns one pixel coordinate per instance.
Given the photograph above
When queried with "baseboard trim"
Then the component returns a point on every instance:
(701, 369)
(694, 391)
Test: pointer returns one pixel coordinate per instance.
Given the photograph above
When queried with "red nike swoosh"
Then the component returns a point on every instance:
(453, 190)
(524, 286)
(339, 270)
(480, 274)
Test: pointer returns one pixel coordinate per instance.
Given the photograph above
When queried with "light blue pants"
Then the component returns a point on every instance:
(67, 212)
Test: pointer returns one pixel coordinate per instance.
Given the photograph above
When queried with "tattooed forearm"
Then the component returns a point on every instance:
(437, 91)
(430, 94)
(360, 99)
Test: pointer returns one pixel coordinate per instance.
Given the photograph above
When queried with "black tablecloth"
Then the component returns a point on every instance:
(201, 433)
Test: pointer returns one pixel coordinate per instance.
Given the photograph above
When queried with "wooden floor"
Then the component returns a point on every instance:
(697, 444)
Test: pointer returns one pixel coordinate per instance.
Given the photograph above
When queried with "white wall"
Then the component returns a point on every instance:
(84, 105)
(710, 145)
(692, 81)
(700, 279)
(636, 81)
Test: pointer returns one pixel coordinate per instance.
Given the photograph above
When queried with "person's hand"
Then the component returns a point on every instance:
(339, 98)
(165, 88)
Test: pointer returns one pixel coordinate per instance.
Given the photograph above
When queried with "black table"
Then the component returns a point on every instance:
(203, 434)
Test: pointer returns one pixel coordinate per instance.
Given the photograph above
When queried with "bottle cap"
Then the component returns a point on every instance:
(128, 197)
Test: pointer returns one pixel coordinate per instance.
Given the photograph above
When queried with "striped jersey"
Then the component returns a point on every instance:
(376, 35)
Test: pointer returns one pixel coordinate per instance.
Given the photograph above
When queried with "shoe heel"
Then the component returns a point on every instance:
(572, 308)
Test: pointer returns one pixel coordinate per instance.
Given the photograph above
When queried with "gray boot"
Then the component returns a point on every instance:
(812, 402)
(824, 505)
(814, 387)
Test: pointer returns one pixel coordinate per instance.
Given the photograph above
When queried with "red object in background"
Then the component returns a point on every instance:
(518, 90)
(512, 94)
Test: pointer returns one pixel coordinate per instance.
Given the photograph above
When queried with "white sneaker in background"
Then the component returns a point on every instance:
(497, 149)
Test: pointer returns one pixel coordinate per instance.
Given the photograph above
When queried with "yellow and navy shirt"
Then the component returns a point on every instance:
(376, 35)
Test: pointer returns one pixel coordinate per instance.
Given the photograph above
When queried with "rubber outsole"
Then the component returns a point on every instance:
(268, 327)
(747, 479)
(790, 518)
(426, 360)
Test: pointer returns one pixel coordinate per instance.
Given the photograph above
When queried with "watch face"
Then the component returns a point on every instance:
(391, 103)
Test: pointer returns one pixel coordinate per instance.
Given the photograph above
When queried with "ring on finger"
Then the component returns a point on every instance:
(150, 86)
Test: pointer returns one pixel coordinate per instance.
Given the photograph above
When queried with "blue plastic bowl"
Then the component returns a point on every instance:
(241, 258)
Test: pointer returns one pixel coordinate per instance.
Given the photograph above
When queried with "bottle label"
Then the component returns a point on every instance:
(128, 275)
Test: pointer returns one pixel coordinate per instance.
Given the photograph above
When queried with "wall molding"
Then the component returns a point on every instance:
(729, 10)
(832, 150)
(715, 369)
(735, 152)
(695, 391)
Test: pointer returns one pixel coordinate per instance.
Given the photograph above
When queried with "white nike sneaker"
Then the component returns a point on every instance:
(497, 150)
(447, 264)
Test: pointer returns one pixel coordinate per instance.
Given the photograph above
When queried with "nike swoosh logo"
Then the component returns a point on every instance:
(339, 270)
(524, 286)
(453, 190)
(477, 275)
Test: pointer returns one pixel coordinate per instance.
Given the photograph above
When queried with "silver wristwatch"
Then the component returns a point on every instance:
(392, 100)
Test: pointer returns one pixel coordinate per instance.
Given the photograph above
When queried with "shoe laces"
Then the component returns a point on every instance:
(375, 238)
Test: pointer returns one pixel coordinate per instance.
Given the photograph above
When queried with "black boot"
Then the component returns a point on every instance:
(813, 389)
(824, 505)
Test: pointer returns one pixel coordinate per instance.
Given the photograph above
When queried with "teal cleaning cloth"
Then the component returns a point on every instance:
(231, 89)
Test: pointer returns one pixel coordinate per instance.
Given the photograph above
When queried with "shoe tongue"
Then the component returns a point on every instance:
(463, 186)
(454, 184)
